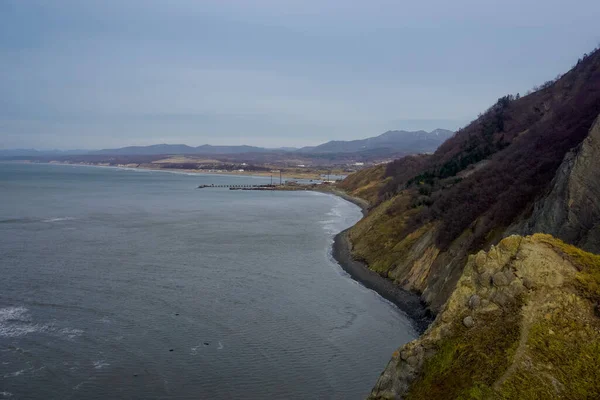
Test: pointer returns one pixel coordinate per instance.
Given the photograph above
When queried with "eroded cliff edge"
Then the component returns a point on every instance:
(529, 324)
(571, 210)
(522, 323)
(528, 164)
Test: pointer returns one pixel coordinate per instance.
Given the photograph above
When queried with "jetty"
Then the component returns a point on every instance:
(239, 187)
(283, 187)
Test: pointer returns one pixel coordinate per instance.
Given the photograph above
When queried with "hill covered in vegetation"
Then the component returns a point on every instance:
(430, 211)
(518, 316)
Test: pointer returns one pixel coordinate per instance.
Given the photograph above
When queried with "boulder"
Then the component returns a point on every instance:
(468, 321)
(474, 301)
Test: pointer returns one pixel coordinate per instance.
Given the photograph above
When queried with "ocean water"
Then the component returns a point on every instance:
(133, 284)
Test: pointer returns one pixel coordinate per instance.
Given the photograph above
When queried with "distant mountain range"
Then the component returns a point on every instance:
(409, 142)
(391, 141)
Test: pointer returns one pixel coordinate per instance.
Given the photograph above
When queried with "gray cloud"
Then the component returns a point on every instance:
(106, 73)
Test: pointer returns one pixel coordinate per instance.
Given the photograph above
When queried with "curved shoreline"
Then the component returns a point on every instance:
(409, 303)
(257, 174)
(363, 204)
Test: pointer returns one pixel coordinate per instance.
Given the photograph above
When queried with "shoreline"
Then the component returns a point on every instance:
(407, 302)
(261, 174)
(363, 204)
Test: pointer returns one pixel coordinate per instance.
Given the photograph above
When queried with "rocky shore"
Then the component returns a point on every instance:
(407, 302)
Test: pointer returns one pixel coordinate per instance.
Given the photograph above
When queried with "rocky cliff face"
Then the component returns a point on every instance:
(414, 262)
(518, 319)
(526, 165)
(571, 210)
(522, 323)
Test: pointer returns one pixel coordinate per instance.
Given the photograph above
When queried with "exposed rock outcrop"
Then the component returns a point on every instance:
(519, 321)
(429, 213)
(520, 324)
(414, 262)
(571, 211)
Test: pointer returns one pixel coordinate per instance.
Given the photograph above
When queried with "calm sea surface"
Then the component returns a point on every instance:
(133, 284)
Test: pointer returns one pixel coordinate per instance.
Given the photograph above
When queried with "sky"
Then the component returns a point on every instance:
(93, 74)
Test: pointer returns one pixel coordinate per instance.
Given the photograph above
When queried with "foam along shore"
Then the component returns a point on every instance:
(408, 302)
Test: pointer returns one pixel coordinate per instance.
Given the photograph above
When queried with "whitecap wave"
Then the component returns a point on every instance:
(17, 321)
(100, 364)
(28, 220)
(6, 394)
(71, 333)
(16, 373)
(329, 226)
(59, 219)
(14, 314)
(336, 211)
(21, 330)
(334, 218)
(194, 350)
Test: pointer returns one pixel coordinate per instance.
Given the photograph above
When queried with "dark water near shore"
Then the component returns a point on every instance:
(104, 271)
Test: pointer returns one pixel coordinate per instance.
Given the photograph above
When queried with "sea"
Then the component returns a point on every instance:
(134, 284)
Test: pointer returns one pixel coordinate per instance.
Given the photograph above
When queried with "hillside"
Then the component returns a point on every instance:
(391, 143)
(407, 142)
(430, 212)
(370, 151)
(523, 323)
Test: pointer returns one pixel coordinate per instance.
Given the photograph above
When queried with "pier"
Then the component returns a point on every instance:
(239, 187)
(283, 187)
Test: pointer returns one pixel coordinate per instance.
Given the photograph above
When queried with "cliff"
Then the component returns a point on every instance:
(522, 323)
(521, 320)
(525, 165)
(571, 210)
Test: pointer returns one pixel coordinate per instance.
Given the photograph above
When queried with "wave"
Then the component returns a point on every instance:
(329, 226)
(16, 373)
(335, 211)
(194, 350)
(59, 219)
(17, 322)
(71, 333)
(334, 218)
(14, 314)
(31, 371)
(100, 364)
(29, 220)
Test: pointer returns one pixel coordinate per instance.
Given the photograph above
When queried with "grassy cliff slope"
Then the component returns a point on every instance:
(429, 212)
(523, 323)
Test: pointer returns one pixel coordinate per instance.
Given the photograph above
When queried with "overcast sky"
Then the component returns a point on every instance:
(110, 73)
